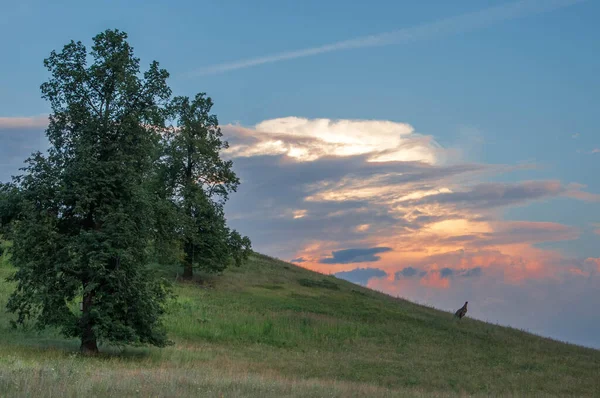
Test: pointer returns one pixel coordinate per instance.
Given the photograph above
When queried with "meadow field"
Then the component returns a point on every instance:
(272, 329)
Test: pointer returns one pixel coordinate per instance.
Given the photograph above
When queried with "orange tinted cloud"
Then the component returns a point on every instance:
(434, 279)
(459, 243)
(594, 261)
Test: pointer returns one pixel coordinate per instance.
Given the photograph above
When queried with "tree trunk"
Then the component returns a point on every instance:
(188, 272)
(89, 344)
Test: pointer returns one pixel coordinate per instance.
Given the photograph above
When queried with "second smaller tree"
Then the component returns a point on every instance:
(198, 182)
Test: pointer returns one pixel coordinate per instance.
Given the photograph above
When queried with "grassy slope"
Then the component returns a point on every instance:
(258, 331)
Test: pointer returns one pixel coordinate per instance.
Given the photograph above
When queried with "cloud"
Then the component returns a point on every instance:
(304, 139)
(575, 136)
(28, 122)
(362, 228)
(299, 214)
(311, 206)
(511, 232)
(502, 233)
(575, 191)
(473, 272)
(491, 195)
(592, 152)
(407, 272)
(298, 260)
(361, 276)
(594, 262)
(446, 272)
(20, 136)
(348, 256)
(434, 279)
(442, 28)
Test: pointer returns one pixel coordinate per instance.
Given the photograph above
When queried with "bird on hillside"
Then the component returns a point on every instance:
(462, 311)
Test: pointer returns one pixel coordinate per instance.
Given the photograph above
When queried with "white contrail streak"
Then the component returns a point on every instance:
(448, 26)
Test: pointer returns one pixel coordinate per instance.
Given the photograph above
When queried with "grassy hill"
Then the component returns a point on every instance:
(272, 329)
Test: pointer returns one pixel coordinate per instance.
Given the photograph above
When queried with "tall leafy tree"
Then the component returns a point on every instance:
(9, 206)
(200, 182)
(86, 207)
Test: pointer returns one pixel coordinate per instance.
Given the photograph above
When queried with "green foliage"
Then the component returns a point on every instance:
(240, 247)
(86, 209)
(194, 144)
(4, 255)
(323, 283)
(198, 182)
(9, 206)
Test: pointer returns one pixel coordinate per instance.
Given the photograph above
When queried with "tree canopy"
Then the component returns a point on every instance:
(199, 182)
(118, 188)
(84, 224)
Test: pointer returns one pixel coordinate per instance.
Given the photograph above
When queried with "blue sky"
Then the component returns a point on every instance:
(513, 92)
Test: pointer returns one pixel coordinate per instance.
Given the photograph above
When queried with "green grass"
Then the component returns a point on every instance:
(272, 329)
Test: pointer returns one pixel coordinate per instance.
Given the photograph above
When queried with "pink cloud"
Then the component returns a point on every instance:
(529, 232)
(24, 122)
(575, 191)
(594, 262)
(578, 271)
(434, 279)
